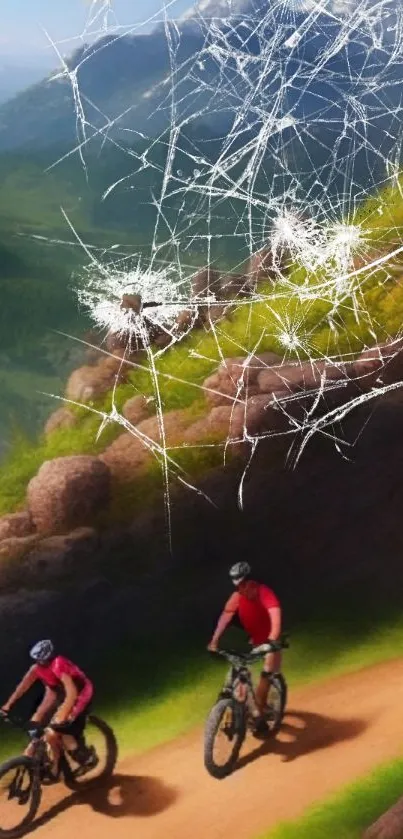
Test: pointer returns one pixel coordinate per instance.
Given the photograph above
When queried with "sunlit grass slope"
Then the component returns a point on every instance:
(347, 814)
(265, 325)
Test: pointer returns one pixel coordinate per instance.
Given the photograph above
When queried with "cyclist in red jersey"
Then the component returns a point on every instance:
(64, 708)
(259, 612)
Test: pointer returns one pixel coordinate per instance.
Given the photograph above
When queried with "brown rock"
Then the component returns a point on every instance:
(15, 524)
(233, 286)
(136, 409)
(299, 377)
(90, 383)
(389, 826)
(237, 368)
(131, 301)
(162, 338)
(235, 378)
(215, 424)
(186, 320)
(365, 372)
(119, 342)
(93, 352)
(62, 418)
(223, 289)
(261, 266)
(68, 492)
(130, 451)
(205, 283)
(15, 547)
(125, 456)
(237, 421)
(221, 389)
(387, 360)
(54, 553)
(260, 415)
(366, 260)
(220, 419)
(13, 553)
(214, 312)
(175, 423)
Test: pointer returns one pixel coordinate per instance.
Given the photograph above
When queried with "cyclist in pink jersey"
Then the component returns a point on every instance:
(65, 705)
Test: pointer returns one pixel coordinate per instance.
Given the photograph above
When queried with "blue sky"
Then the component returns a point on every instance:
(22, 22)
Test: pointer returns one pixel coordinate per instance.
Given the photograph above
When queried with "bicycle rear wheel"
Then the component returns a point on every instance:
(100, 739)
(223, 737)
(20, 796)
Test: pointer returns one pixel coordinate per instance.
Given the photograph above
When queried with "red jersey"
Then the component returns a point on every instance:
(253, 611)
(51, 677)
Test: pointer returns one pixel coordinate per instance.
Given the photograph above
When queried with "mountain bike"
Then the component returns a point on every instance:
(22, 777)
(235, 709)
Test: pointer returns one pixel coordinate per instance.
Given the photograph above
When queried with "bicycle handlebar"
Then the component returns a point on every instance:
(255, 653)
(34, 730)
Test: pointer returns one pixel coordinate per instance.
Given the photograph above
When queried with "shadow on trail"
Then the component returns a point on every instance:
(302, 733)
(122, 796)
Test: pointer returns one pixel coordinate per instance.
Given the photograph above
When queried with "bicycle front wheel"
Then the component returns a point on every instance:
(20, 796)
(223, 737)
(276, 703)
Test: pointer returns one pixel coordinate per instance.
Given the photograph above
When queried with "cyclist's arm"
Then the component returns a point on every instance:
(48, 701)
(21, 689)
(275, 618)
(66, 707)
(230, 609)
(272, 604)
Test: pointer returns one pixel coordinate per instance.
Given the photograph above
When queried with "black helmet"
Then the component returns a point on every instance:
(42, 652)
(239, 572)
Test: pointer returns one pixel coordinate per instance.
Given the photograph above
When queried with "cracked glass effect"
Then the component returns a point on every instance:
(276, 130)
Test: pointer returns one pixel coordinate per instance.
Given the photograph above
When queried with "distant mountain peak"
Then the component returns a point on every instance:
(220, 8)
(229, 8)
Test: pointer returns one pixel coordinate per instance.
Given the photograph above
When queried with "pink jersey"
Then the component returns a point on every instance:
(51, 675)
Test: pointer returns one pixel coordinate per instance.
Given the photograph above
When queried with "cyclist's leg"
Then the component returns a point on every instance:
(73, 737)
(272, 664)
(29, 751)
(73, 734)
(42, 712)
(54, 743)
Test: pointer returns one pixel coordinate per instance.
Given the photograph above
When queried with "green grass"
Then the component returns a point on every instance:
(26, 457)
(347, 814)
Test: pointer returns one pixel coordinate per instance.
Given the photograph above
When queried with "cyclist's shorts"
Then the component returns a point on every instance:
(75, 728)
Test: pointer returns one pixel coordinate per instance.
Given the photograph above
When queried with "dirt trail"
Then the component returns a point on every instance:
(332, 734)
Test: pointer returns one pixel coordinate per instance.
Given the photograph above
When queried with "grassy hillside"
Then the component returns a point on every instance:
(37, 295)
(348, 814)
(182, 370)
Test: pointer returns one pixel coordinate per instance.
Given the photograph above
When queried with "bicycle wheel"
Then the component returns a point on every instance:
(223, 737)
(100, 738)
(276, 703)
(20, 796)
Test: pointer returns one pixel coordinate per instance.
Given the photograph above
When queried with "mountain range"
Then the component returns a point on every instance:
(17, 74)
(201, 67)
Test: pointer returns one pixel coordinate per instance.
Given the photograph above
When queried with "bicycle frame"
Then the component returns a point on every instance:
(37, 749)
(239, 686)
